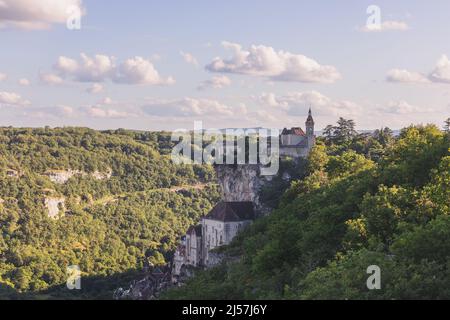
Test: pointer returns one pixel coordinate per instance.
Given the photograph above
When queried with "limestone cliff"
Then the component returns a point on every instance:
(242, 183)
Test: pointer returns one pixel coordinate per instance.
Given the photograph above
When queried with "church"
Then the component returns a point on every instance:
(221, 225)
(216, 229)
(295, 142)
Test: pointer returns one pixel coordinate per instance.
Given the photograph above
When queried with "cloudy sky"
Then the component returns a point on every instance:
(156, 65)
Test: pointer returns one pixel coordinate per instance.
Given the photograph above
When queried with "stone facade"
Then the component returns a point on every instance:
(216, 229)
(295, 143)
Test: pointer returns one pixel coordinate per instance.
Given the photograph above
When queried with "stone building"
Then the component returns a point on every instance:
(217, 228)
(222, 224)
(295, 142)
(194, 246)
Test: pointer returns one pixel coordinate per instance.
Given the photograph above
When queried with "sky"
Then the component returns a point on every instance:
(161, 65)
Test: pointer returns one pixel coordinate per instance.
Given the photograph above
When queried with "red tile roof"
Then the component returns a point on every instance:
(295, 131)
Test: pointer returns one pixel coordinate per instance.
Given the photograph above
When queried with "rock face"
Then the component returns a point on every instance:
(62, 176)
(55, 206)
(102, 175)
(242, 183)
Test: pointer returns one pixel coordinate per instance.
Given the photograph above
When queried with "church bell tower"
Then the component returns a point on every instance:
(309, 125)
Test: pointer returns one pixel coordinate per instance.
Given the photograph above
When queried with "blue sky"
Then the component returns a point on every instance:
(162, 65)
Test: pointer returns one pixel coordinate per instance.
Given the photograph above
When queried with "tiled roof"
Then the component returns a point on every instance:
(295, 131)
(232, 211)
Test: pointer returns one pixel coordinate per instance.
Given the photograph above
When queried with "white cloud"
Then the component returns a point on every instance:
(50, 78)
(101, 68)
(12, 99)
(189, 58)
(24, 82)
(298, 103)
(61, 111)
(3, 76)
(100, 112)
(440, 73)
(402, 107)
(107, 100)
(215, 83)
(390, 25)
(95, 88)
(187, 107)
(137, 70)
(89, 69)
(264, 61)
(402, 75)
(32, 14)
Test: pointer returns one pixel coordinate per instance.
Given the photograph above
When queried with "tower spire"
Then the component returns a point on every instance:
(310, 124)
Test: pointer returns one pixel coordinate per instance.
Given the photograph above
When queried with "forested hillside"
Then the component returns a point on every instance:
(370, 199)
(105, 201)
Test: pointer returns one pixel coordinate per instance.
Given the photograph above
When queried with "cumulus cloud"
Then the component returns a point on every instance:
(402, 75)
(391, 25)
(440, 74)
(401, 107)
(189, 58)
(89, 69)
(107, 100)
(3, 76)
(32, 14)
(215, 83)
(50, 78)
(99, 112)
(60, 111)
(264, 61)
(101, 68)
(298, 103)
(24, 82)
(186, 107)
(95, 88)
(12, 99)
(137, 70)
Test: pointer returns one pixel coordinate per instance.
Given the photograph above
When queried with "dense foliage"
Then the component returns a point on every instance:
(368, 199)
(108, 226)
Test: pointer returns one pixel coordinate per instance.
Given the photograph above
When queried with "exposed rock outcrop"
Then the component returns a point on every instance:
(242, 183)
(62, 176)
(55, 206)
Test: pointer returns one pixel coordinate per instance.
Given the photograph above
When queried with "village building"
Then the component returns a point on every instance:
(218, 228)
(295, 142)
(221, 225)
(194, 246)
